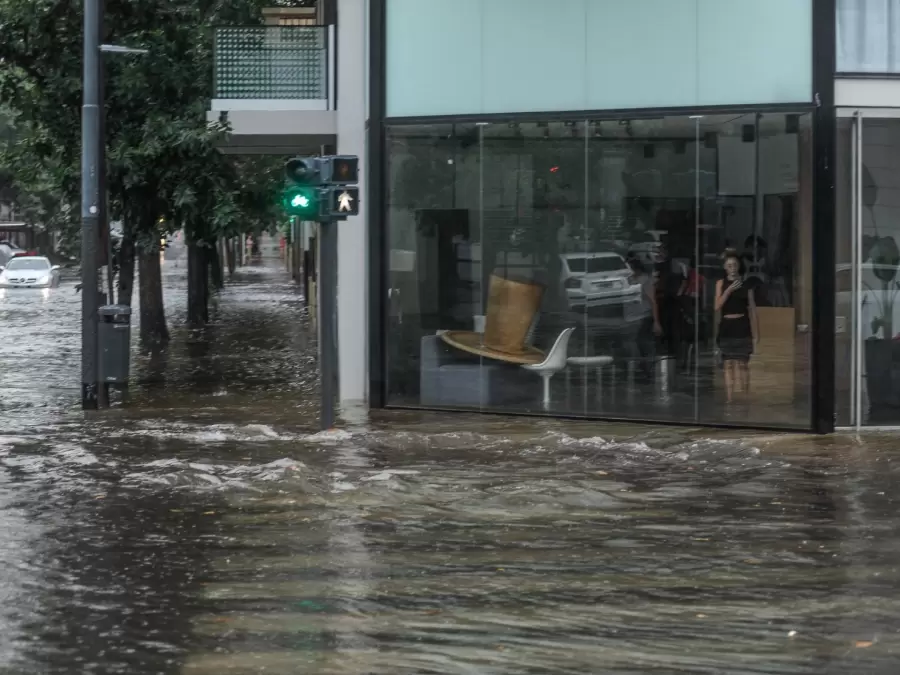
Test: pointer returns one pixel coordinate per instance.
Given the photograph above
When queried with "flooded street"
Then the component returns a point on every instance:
(208, 529)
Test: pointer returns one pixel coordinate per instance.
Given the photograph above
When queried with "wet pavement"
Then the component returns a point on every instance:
(207, 528)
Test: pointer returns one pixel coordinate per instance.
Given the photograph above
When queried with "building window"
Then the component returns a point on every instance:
(604, 239)
(868, 36)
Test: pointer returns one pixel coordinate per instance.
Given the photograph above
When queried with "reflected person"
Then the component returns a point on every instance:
(649, 327)
(670, 274)
(738, 326)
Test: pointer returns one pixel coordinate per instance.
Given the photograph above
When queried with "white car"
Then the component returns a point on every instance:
(29, 271)
(598, 279)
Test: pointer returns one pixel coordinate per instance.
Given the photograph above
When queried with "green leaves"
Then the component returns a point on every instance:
(162, 156)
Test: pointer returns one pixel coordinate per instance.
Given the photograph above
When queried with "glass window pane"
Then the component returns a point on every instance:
(868, 36)
(574, 267)
(533, 55)
(645, 183)
(761, 211)
(744, 47)
(504, 56)
(878, 243)
(636, 63)
(435, 264)
(434, 57)
(533, 219)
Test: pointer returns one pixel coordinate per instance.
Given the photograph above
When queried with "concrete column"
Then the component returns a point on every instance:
(352, 234)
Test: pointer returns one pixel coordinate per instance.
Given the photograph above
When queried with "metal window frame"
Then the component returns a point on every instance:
(824, 217)
(376, 175)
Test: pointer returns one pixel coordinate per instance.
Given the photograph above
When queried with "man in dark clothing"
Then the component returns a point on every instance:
(670, 276)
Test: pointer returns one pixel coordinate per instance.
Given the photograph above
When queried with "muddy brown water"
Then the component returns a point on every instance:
(208, 529)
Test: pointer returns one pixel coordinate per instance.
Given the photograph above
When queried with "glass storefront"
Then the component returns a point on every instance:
(576, 267)
(868, 270)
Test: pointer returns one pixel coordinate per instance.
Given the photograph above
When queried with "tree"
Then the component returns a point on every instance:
(158, 140)
(29, 189)
(234, 196)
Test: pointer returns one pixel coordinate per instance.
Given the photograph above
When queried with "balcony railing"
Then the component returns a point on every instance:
(274, 62)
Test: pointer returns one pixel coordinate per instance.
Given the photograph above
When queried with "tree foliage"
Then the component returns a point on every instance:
(30, 190)
(162, 161)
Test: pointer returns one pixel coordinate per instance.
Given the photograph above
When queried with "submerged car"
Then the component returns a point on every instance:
(29, 272)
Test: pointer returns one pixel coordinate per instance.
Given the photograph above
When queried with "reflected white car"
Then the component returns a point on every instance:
(29, 272)
(598, 279)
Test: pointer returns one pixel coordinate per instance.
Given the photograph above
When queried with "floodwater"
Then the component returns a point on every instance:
(207, 529)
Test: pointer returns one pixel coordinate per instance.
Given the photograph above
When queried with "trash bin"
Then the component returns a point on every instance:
(115, 343)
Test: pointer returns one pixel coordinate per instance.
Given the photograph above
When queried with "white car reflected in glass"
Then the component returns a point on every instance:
(598, 280)
(29, 272)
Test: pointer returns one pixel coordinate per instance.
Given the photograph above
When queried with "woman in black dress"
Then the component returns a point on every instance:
(738, 326)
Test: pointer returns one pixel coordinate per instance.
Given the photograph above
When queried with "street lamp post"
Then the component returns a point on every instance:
(91, 167)
(93, 201)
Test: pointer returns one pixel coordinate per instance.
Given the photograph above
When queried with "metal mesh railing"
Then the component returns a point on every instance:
(271, 62)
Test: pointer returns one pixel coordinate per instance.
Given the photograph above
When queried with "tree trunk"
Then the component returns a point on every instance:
(229, 256)
(126, 268)
(198, 286)
(154, 333)
(215, 267)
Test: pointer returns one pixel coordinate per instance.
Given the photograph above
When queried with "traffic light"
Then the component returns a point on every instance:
(340, 201)
(303, 170)
(301, 196)
(321, 188)
(301, 201)
(340, 170)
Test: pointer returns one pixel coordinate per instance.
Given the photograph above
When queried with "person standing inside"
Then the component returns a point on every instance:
(689, 296)
(738, 326)
(670, 275)
(649, 327)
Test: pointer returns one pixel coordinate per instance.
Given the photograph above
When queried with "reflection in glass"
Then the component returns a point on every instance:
(868, 273)
(589, 252)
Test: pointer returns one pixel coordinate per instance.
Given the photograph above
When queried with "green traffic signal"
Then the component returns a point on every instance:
(301, 201)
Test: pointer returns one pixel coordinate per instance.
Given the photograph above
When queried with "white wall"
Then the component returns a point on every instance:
(353, 325)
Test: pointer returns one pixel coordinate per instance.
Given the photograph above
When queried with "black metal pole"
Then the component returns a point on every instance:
(90, 203)
(328, 320)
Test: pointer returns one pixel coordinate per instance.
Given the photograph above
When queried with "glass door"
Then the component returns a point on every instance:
(868, 269)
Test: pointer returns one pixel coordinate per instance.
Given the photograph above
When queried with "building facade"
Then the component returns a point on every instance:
(297, 85)
(552, 191)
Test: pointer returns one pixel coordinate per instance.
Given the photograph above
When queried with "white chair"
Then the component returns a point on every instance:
(554, 363)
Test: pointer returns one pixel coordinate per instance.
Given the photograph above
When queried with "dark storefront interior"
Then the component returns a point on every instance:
(505, 235)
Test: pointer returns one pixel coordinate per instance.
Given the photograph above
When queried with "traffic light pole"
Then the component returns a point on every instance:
(328, 246)
(324, 189)
(90, 205)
